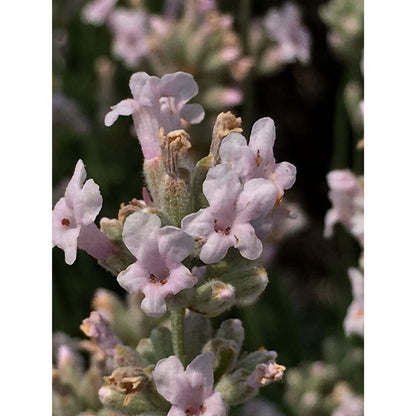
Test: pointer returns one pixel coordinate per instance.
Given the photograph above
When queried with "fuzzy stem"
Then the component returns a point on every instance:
(177, 317)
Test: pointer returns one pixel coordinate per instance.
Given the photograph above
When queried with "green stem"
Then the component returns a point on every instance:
(177, 319)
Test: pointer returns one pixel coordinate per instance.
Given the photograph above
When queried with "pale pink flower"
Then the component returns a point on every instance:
(350, 404)
(256, 160)
(158, 102)
(284, 26)
(73, 219)
(189, 391)
(158, 271)
(97, 11)
(130, 35)
(346, 193)
(266, 373)
(226, 222)
(354, 320)
(98, 328)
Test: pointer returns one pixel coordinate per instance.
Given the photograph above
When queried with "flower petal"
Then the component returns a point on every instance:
(179, 278)
(154, 302)
(198, 224)
(192, 113)
(179, 85)
(123, 108)
(284, 176)
(75, 184)
(214, 405)
(262, 138)
(133, 279)
(137, 82)
(235, 153)
(249, 245)
(175, 244)
(165, 375)
(88, 203)
(215, 248)
(140, 229)
(221, 188)
(257, 198)
(201, 370)
(63, 236)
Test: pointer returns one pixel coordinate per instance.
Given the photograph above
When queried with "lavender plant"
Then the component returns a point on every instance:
(186, 252)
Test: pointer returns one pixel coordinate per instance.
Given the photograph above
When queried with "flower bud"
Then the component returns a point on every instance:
(145, 350)
(213, 298)
(226, 353)
(260, 356)
(234, 387)
(232, 329)
(248, 279)
(89, 386)
(133, 404)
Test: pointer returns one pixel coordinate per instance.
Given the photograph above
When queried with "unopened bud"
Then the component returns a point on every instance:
(145, 350)
(251, 361)
(89, 386)
(226, 353)
(213, 298)
(220, 97)
(232, 329)
(234, 388)
(248, 279)
(134, 403)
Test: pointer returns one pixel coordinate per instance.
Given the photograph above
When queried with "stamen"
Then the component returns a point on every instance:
(155, 280)
(221, 230)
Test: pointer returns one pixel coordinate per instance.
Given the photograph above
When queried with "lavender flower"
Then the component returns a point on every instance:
(226, 222)
(73, 219)
(354, 321)
(97, 11)
(284, 27)
(98, 328)
(158, 102)
(346, 193)
(158, 271)
(256, 160)
(190, 391)
(129, 29)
